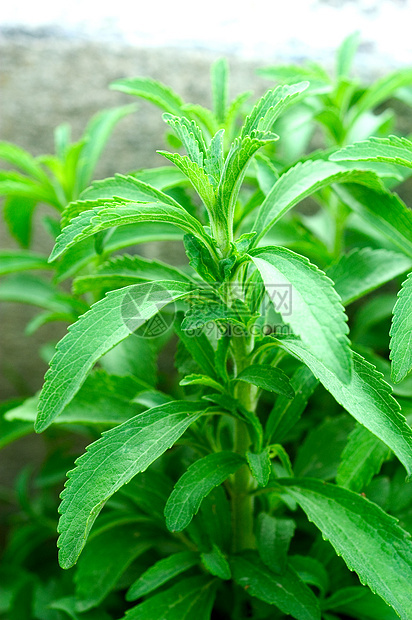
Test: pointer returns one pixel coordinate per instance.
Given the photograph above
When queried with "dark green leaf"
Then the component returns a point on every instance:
(260, 466)
(160, 573)
(268, 378)
(273, 536)
(216, 563)
(401, 333)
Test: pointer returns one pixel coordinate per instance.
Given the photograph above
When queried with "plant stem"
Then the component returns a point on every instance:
(242, 500)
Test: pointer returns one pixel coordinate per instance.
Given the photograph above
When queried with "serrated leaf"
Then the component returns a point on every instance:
(301, 181)
(270, 106)
(160, 573)
(190, 135)
(216, 563)
(286, 591)
(361, 459)
(15, 260)
(286, 412)
(95, 137)
(273, 536)
(392, 150)
(105, 326)
(102, 218)
(363, 270)
(189, 600)
(401, 333)
(369, 540)
(147, 436)
(268, 378)
(381, 210)
(151, 90)
(367, 398)
(197, 482)
(260, 466)
(104, 559)
(314, 309)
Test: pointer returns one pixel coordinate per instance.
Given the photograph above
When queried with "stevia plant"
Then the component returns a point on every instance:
(216, 497)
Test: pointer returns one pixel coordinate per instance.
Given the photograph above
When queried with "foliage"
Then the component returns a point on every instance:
(264, 476)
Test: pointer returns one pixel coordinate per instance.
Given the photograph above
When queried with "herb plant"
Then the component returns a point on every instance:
(264, 476)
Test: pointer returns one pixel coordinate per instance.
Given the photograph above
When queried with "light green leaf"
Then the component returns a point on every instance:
(401, 333)
(196, 175)
(286, 591)
(381, 210)
(26, 288)
(301, 181)
(216, 563)
(160, 573)
(18, 157)
(367, 398)
(147, 436)
(195, 379)
(369, 540)
(162, 177)
(104, 559)
(19, 260)
(151, 90)
(219, 79)
(126, 187)
(197, 482)
(191, 599)
(381, 90)
(268, 378)
(95, 137)
(10, 430)
(214, 161)
(313, 308)
(18, 212)
(190, 135)
(106, 324)
(363, 270)
(392, 150)
(345, 55)
(260, 466)
(270, 106)
(361, 459)
(273, 536)
(104, 217)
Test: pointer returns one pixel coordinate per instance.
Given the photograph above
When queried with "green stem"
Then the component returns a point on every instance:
(242, 500)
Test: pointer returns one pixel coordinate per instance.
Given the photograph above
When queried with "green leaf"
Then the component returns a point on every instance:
(197, 482)
(106, 324)
(189, 600)
(14, 184)
(260, 466)
(26, 288)
(160, 573)
(162, 177)
(273, 536)
(381, 90)
(18, 157)
(401, 333)
(151, 90)
(363, 270)
(359, 602)
(196, 175)
(369, 540)
(270, 106)
(314, 455)
(301, 181)
(268, 378)
(18, 212)
(286, 591)
(214, 161)
(345, 55)
(95, 137)
(367, 398)
(194, 379)
(19, 260)
(382, 210)
(216, 563)
(190, 135)
(104, 559)
(104, 217)
(311, 571)
(10, 430)
(361, 459)
(219, 78)
(147, 436)
(313, 308)
(392, 150)
(200, 258)
(286, 412)
(68, 606)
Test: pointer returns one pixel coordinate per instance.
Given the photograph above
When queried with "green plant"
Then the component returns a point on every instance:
(219, 480)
